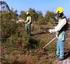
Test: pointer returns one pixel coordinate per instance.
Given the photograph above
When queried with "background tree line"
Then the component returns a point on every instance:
(13, 34)
(8, 20)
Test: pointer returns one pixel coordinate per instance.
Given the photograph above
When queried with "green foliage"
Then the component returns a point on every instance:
(49, 16)
(23, 15)
(37, 16)
(33, 14)
(9, 28)
(8, 24)
(17, 46)
(41, 19)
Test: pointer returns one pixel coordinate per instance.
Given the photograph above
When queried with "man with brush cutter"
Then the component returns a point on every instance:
(60, 29)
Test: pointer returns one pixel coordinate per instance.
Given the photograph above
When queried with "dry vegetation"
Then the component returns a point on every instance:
(25, 53)
(16, 47)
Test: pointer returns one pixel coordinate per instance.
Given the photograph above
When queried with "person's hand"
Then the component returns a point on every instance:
(57, 34)
(20, 21)
(50, 30)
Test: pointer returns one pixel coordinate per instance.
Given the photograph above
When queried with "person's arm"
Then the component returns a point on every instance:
(29, 19)
(59, 26)
(20, 21)
(26, 20)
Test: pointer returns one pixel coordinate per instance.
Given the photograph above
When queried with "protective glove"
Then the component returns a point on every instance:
(57, 34)
(50, 30)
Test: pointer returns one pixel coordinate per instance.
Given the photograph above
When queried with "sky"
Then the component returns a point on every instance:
(40, 5)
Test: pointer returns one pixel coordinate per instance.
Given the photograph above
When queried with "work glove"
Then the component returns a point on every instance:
(50, 30)
(57, 34)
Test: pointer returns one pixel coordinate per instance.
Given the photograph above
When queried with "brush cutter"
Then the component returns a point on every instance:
(49, 42)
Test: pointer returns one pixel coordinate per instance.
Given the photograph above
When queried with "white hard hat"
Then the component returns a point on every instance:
(27, 12)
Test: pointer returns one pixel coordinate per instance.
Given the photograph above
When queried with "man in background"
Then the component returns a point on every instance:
(28, 23)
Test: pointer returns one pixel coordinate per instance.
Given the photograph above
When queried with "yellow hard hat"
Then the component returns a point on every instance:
(59, 10)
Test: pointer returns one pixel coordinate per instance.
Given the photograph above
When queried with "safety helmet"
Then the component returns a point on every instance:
(59, 10)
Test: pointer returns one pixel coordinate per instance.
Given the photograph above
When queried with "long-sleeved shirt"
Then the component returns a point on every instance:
(59, 26)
